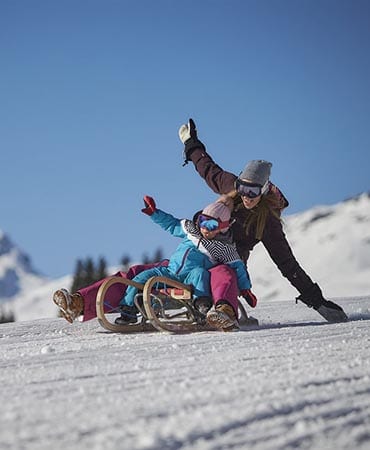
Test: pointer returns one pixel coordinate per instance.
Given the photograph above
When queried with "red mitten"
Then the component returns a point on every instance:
(150, 206)
(250, 298)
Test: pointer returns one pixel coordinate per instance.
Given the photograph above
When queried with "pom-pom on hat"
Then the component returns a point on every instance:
(257, 172)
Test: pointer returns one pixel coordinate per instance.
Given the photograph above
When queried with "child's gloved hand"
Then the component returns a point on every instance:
(250, 298)
(150, 206)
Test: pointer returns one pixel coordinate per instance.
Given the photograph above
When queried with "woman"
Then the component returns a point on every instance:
(256, 213)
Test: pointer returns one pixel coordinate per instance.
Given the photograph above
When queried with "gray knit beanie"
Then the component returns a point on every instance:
(257, 172)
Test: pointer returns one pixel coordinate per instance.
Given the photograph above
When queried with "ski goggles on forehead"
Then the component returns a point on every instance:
(210, 223)
(246, 189)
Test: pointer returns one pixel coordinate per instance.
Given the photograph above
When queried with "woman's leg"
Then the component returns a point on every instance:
(116, 291)
(88, 294)
(224, 285)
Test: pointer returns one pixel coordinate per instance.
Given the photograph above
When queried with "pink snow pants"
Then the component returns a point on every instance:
(223, 287)
(116, 291)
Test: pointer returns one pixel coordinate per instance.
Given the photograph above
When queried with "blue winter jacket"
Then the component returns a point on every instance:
(197, 251)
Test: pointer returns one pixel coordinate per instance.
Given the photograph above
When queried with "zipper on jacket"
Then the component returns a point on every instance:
(183, 261)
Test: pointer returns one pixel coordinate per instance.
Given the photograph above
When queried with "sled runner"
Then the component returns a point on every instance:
(163, 304)
(168, 306)
(106, 313)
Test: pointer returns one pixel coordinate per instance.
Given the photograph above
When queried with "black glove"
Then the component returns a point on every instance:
(313, 298)
(189, 137)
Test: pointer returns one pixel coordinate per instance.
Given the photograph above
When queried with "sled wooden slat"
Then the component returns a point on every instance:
(144, 325)
(163, 324)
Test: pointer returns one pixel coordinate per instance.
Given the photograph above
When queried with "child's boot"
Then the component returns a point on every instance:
(202, 304)
(223, 317)
(128, 315)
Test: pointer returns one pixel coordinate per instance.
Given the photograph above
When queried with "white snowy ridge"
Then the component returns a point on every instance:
(332, 243)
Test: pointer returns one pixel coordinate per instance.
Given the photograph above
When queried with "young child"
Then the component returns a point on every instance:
(206, 243)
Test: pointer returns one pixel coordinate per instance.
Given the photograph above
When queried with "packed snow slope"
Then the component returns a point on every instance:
(295, 382)
(332, 243)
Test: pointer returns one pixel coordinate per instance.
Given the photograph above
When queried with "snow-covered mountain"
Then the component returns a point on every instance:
(23, 290)
(17, 274)
(15, 269)
(332, 243)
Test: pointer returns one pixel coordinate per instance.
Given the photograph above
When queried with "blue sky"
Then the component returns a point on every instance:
(92, 94)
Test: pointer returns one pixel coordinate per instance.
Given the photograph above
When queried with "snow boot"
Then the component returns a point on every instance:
(70, 305)
(223, 317)
(128, 315)
(202, 305)
(330, 311)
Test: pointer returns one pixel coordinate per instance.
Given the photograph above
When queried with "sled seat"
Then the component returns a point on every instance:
(185, 293)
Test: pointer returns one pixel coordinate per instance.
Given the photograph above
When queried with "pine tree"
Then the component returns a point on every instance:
(78, 276)
(101, 271)
(158, 255)
(125, 262)
(89, 271)
(146, 259)
(85, 273)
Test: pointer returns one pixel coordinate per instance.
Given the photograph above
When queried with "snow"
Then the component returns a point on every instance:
(37, 302)
(296, 382)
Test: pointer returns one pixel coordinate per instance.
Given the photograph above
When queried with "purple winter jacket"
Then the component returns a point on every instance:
(273, 239)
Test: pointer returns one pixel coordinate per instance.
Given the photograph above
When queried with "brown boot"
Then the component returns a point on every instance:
(223, 317)
(71, 305)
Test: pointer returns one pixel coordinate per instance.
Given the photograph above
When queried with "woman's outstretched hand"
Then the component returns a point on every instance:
(189, 137)
(188, 131)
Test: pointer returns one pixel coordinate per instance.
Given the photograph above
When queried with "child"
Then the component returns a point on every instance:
(206, 243)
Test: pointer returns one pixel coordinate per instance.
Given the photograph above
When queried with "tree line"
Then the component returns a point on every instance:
(87, 271)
